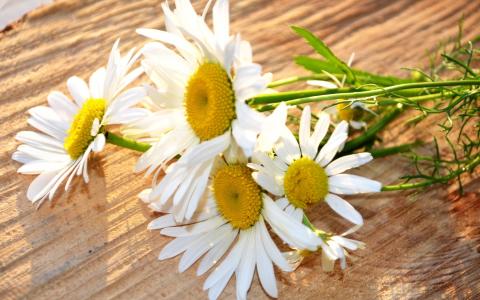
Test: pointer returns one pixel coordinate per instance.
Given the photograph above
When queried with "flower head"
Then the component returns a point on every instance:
(71, 130)
(339, 245)
(232, 224)
(335, 248)
(303, 173)
(199, 102)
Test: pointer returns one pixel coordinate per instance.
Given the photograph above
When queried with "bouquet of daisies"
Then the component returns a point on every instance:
(238, 161)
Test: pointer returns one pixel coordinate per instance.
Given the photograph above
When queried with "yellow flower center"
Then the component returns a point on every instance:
(79, 134)
(209, 101)
(305, 183)
(238, 197)
(347, 113)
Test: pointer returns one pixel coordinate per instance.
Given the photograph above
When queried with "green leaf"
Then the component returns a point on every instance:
(317, 65)
(324, 51)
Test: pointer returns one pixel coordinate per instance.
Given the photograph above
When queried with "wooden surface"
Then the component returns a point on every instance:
(93, 243)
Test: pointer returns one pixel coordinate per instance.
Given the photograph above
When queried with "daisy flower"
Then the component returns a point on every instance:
(344, 111)
(199, 103)
(303, 175)
(232, 223)
(337, 244)
(71, 130)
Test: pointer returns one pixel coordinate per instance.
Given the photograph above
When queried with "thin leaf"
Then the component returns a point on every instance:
(324, 51)
(317, 65)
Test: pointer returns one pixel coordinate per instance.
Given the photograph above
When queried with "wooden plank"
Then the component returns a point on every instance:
(93, 243)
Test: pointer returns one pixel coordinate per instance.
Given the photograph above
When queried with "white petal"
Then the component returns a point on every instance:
(282, 203)
(197, 249)
(221, 21)
(40, 166)
(181, 44)
(47, 120)
(40, 141)
(177, 246)
(247, 75)
(229, 52)
(292, 232)
(128, 116)
(297, 214)
(246, 268)
(96, 82)
(304, 130)
(220, 285)
(198, 191)
(327, 263)
(245, 55)
(287, 147)
(98, 143)
(336, 140)
(244, 137)
(348, 162)
(194, 229)
(248, 117)
(228, 265)
(78, 89)
(206, 150)
(272, 249)
(270, 134)
(339, 252)
(357, 125)
(268, 183)
(344, 209)
(217, 289)
(62, 105)
(321, 129)
(322, 83)
(36, 190)
(162, 222)
(214, 255)
(264, 265)
(41, 154)
(348, 243)
(95, 127)
(347, 184)
(123, 103)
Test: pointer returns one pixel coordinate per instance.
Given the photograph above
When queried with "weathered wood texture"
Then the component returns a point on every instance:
(93, 243)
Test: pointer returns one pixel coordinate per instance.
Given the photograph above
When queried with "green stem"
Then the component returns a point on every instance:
(326, 94)
(361, 78)
(382, 152)
(126, 143)
(416, 99)
(443, 179)
(456, 61)
(295, 79)
(322, 234)
(284, 96)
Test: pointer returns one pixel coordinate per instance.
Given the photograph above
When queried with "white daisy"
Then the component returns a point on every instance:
(233, 216)
(71, 130)
(337, 244)
(199, 103)
(302, 174)
(350, 112)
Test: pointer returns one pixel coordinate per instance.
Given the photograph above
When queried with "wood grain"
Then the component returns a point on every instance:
(93, 242)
